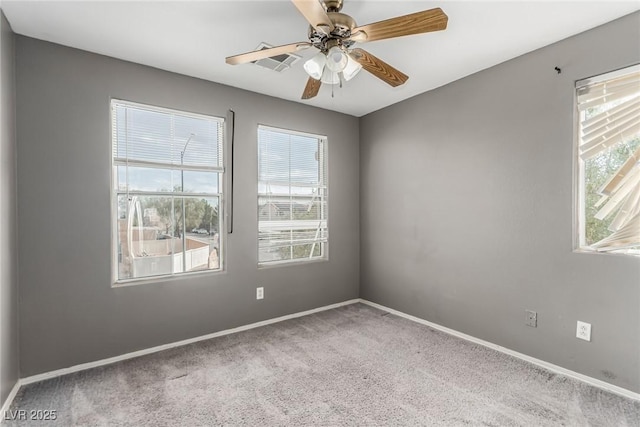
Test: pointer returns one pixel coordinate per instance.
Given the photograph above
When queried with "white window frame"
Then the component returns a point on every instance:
(223, 189)
(579, 184)
(324, 203)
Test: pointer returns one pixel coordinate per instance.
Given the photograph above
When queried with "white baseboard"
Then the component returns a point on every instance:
(549, 366)
(84, 366)
(9, 400)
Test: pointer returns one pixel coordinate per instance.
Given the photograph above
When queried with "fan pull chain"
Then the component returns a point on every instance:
(340, 80)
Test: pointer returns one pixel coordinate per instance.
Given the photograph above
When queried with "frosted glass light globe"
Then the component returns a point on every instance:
(353, 67)
(336, 59)
(315, 65)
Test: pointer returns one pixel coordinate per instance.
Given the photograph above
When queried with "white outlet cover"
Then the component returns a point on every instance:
(583, 331)
(259, 293)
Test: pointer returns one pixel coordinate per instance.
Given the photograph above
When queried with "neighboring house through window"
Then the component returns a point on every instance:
(609, 162)
(167, 191)
(292, 196)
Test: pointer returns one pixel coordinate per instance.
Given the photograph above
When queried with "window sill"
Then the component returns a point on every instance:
(594, 252)
(165, 279)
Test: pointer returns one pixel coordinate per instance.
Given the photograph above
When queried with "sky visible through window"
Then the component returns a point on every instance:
(159, 137)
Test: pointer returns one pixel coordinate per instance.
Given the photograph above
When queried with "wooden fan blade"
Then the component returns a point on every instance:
(379, 68)
(415, 23)
(313, 12)
(311, 89)
(266, 53)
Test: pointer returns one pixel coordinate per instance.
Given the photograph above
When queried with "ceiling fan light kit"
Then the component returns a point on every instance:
(334, 33)
(327, 66)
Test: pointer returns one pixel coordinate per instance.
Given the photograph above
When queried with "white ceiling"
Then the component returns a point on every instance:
(194, 37)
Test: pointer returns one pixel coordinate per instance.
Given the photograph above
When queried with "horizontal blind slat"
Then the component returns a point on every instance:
(611, 112)
(595, 147)
(630, 208)
(619, 196)
(612, 183)
(607, 118)
(608, 98)
(627, 237)
(159, 136)
(612, 86)
(607, 130)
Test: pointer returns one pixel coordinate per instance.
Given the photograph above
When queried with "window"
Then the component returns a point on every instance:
(292, 196)
(167, 191)
(609, 162)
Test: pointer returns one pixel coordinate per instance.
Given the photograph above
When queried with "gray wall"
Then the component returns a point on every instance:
(466, 201)
(465, 192)
(9, 370)
(69, 313)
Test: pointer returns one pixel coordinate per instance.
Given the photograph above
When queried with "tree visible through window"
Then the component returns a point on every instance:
(609, 159)
(167, 185)
(292, 196)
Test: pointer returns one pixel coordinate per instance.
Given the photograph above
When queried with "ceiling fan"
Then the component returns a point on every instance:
(334, 34)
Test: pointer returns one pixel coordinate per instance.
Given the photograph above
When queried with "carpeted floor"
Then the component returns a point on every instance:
(354, 365)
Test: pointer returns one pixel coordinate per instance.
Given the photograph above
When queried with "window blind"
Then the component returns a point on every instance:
(609, 149)
(154, 136)
(292, 196)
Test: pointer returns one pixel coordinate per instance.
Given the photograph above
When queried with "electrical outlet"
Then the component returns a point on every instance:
(260, 293)
(531, 318)
(583, 331)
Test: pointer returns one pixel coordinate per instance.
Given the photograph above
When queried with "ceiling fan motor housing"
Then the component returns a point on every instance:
(342, 26)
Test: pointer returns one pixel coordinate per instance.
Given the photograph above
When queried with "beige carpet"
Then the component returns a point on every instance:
(350, 366)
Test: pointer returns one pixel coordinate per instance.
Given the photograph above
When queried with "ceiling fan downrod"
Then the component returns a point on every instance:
(332, 5)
